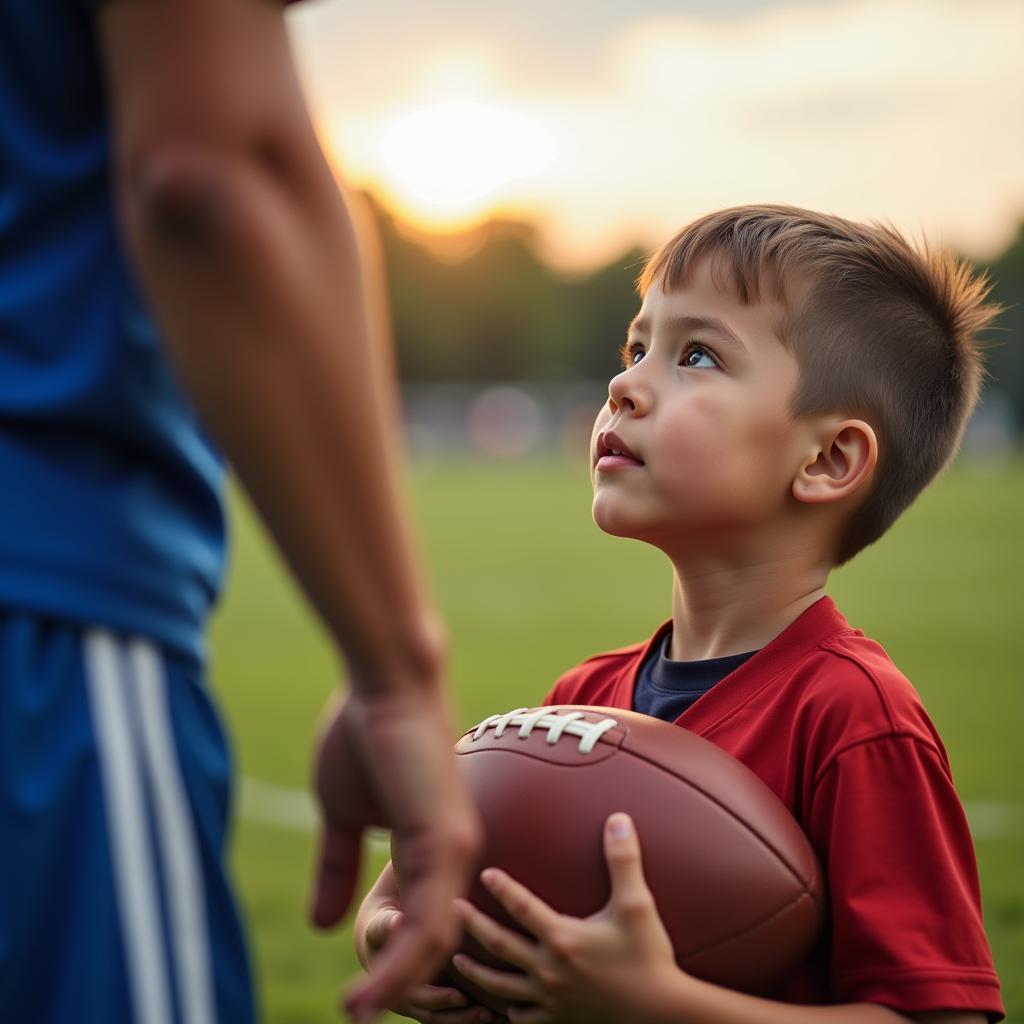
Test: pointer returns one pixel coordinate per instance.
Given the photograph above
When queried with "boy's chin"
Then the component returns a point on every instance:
(615, 524)
(626, 523)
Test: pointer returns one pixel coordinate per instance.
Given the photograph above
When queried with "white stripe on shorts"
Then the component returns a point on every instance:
(178, 848)
(122, 677)
(134, 871)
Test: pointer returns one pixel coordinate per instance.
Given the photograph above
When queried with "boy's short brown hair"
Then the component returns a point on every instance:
(880, 330)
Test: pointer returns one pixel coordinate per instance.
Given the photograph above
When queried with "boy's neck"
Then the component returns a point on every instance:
(719, 610)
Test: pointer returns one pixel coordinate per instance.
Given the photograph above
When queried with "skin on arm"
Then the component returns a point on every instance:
(272, 317)
(617, 967)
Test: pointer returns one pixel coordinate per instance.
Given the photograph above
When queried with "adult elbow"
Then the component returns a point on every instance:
(186, 195)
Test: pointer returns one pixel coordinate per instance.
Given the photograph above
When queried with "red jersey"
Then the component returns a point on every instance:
(831, 725)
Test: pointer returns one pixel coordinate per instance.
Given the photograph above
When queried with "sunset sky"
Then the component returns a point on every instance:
(611, 122)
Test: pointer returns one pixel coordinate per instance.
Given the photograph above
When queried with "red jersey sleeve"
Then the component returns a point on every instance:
(604, 680)
(566, 689)
(551, 697)
(903, 882)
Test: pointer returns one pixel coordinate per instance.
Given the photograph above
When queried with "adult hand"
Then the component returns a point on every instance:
(386, 759)
(604, 969)
(429, 1004)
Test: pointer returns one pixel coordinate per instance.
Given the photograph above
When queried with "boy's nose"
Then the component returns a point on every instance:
(627, 392)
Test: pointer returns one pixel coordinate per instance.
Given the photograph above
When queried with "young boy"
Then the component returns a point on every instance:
(791, 383)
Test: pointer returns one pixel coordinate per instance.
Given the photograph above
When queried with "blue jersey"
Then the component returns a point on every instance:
(111, 509)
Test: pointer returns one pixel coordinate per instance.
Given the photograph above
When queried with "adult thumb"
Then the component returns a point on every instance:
(337, 873)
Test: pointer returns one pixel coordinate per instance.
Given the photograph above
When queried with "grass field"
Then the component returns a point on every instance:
(529, 587)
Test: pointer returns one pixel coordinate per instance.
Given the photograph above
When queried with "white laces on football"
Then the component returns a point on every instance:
(557, 723)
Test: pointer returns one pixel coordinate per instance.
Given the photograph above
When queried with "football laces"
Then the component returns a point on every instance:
(557, 724)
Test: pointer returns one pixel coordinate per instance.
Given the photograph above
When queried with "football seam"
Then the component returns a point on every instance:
(784, 861)
(534, 756)
(792, 904)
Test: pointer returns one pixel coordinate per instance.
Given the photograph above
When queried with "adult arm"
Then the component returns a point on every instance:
(247, 252)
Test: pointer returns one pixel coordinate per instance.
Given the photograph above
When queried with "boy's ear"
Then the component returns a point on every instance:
(843, 459)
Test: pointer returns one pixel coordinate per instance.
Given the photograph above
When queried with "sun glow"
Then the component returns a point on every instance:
(448, 162)
(610, 139)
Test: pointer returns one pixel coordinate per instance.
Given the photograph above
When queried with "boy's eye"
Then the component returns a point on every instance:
(698, 356)
(631, 354)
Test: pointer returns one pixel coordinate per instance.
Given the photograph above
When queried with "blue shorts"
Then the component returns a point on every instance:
(114, 793)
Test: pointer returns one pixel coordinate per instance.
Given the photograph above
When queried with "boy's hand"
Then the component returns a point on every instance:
(430, 1004)
(603, 969)
(387, 760)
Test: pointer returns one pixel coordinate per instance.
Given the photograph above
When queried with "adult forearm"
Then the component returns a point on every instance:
(254, 271)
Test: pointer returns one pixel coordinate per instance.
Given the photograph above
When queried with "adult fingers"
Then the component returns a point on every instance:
(431, 865)
(337, 873)
(430, 880)
(434, 998)
(415, 950)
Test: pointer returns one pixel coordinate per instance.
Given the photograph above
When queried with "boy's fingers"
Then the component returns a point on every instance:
(625, 866)
(336, 875)
(522, 905)
(497, 940)
(381, 927)
(467, 1015)
(506, 984)
(530, 1015)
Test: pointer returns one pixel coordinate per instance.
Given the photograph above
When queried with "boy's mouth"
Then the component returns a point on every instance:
(612, 452)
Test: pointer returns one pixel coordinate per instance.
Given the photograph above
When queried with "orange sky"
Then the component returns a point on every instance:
(901, 110)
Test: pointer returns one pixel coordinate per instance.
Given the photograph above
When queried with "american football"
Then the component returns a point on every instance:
(735, 880)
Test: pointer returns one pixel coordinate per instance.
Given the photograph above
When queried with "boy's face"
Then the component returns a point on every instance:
(702, 413)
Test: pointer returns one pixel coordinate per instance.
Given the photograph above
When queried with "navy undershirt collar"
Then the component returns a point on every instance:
(666, 688)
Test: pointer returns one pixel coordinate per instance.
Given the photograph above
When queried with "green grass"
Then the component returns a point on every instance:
(529, 587)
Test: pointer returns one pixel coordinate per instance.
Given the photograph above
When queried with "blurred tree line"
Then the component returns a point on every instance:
(484, 306)
(491, 309)
(1006, 349)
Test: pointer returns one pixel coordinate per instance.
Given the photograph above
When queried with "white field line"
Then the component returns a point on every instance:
(268, 804)
(991, 820)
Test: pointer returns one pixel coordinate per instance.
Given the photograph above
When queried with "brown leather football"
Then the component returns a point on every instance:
(735, 879)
